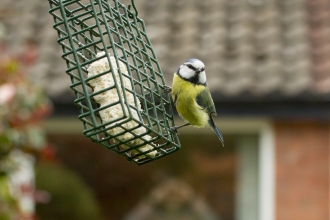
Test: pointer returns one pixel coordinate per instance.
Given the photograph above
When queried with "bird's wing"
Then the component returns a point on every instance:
(216, 130)
(205, 101)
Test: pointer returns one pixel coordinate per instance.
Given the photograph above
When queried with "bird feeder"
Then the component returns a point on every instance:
(116, 78)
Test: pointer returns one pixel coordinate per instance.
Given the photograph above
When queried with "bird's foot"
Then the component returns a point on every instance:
(167, 89)
(174, 129)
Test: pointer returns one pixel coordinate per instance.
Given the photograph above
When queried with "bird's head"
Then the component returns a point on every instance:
(193, 70)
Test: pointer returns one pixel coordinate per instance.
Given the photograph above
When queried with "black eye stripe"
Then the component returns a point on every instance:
(194, 68)
(191, 67)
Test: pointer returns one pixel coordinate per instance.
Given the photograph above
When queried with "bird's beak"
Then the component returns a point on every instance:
(200, 71)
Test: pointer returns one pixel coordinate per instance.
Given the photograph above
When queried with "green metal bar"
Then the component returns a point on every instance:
(108, 58)
(76, 60)
(116, 55)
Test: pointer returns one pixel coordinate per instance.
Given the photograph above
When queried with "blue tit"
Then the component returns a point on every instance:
(192, 97)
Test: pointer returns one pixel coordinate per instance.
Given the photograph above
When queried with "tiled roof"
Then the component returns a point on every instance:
(320, 40)
(257, 47)
(29, 20)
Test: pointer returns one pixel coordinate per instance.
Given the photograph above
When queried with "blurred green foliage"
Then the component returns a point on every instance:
(22, 106)
(71, 199)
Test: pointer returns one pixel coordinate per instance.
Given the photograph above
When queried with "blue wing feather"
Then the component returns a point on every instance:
(216, 130)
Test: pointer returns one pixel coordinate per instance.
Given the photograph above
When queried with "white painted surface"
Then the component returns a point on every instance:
(267, 173)
(247, 178)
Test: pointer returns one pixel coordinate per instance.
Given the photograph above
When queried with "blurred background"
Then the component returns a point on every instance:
(268, 68)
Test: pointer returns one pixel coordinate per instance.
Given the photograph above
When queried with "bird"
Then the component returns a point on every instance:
(192, 97)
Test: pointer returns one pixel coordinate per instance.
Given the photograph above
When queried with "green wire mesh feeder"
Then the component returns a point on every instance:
(116, 78)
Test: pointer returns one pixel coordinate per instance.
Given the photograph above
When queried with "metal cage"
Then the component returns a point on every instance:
(141, 131)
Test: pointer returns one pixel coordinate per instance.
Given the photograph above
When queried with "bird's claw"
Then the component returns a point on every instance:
(174, 129)
(167, 89)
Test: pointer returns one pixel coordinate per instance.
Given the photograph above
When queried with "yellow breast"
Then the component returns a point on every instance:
(184, 94)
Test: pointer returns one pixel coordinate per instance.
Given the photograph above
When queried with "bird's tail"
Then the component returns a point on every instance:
(216, 130)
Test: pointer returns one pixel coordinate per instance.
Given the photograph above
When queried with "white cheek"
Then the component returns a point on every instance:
(202, 78)
(186, 73)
